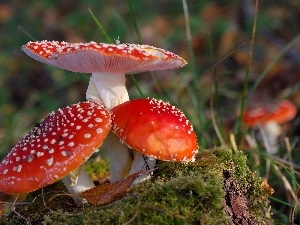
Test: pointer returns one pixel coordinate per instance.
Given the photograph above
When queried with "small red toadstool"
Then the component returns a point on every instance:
(54, 148)
(156, 129)
(108, 64)
(270, 119)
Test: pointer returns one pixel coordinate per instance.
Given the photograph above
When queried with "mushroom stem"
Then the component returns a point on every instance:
(76, 182)
(120, 158)
(108, 87)
(141, 163)
(270, 133)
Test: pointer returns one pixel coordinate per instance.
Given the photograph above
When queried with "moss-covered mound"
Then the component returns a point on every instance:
(217, 189)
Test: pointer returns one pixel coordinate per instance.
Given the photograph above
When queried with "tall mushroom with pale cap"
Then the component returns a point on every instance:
(269, 119)
(108, 64)
(56, 148)
(155, 129)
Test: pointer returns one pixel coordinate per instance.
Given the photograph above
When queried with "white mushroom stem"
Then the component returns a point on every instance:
(270, 133)
(141, 163)
(76, 182)
(120, 158)
(110, 89)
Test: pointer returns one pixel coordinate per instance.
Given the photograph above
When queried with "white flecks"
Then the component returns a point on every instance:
(5, 171)
(45, 147)
(18, 159)
(17, 168)
(78, 127)
(87, 135)
(24, 149)
(71, 144)
(65, 153)
(71, 136)
(49, 161)
(85, 120)
(32, 151)
(152, 122)
(61, 142)
(51, 151)
(176, 127)
(90, 125)
(98, 120)
(29, 158)
(39, 154)
(99, 130)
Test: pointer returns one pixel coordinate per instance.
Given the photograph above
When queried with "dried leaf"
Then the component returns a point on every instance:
(109, 192)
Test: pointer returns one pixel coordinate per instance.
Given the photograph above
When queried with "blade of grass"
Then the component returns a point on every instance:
(108, 39)
(192, 89)
(132, 14)
(214, 92)
(272, 63)
(238, 123)
(31, 37)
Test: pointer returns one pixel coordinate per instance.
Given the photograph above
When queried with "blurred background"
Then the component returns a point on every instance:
(217, 53)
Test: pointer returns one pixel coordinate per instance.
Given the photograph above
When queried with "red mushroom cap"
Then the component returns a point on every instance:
(284, 112)
(55, 147)
(254, 116)
(100, 57)
(156, 129)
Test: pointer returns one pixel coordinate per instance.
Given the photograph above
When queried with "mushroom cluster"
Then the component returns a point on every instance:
(108, 64)
(58, 146)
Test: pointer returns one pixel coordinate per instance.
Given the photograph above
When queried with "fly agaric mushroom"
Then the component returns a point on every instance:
(156, 129)
(56, 148)
(269, 120)
(108, 64)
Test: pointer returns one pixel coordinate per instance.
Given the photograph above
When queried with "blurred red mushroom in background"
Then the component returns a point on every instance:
(269, 120)
(108, 64)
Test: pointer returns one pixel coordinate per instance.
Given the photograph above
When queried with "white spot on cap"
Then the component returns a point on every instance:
(39, 154)
(71, 144)
(87, 135)
(29, 158)
(98, 120)
(49, 161)
(99, 130)
(17, 168)
(5, 171)
(65, 153)
(78, 127)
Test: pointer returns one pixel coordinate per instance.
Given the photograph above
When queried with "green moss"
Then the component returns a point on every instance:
(98, 168)
(180, 193)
